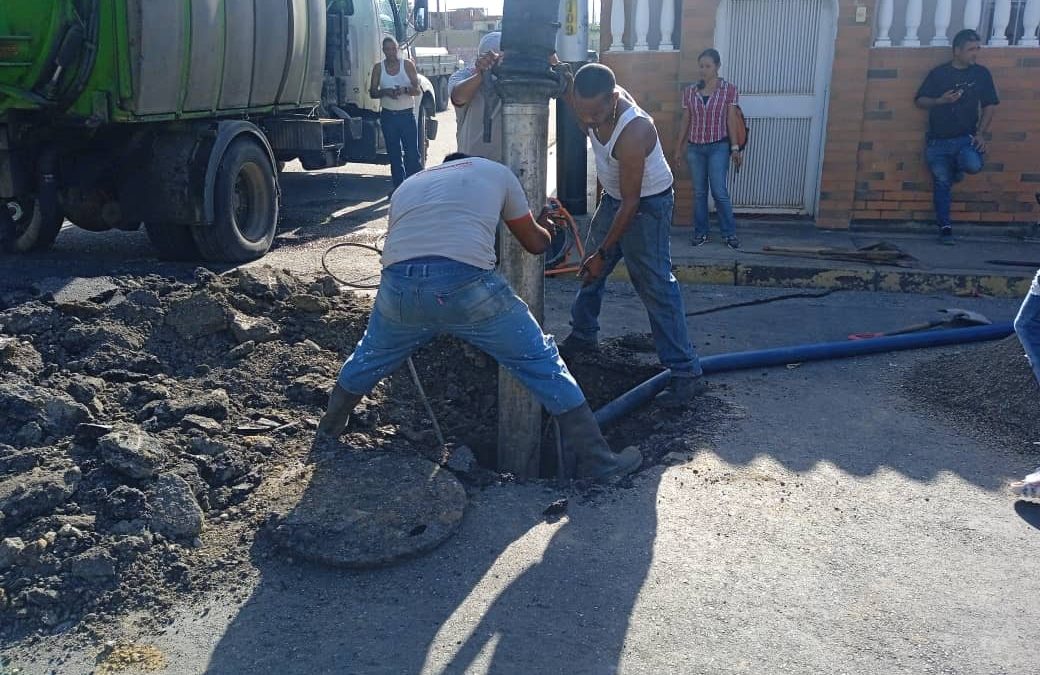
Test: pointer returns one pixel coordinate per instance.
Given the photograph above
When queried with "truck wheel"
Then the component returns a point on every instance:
(422, 123)
(172, 242)
(246, 206)
(34, 229)
(442, 94)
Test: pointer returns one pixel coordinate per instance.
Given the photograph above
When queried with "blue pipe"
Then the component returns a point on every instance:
(820, 351)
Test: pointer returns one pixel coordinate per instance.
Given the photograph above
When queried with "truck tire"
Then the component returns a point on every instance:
(421, 124)
(172, 242)
(34, 229)
(246, 206)
(442, 93)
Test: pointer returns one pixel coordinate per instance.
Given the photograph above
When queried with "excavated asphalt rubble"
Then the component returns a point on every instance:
(153, 432)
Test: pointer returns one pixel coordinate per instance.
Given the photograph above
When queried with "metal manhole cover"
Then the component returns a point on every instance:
(367, 510)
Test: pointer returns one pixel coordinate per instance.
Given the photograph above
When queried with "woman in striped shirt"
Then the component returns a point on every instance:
(704, 136)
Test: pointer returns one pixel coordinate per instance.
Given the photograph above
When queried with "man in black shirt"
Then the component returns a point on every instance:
(956, 95)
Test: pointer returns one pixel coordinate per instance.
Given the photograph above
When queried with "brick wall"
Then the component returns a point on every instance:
(873, 167)
(894, 184)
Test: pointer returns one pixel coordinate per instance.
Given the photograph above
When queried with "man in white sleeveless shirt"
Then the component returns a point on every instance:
(439, 278)
(633, 222)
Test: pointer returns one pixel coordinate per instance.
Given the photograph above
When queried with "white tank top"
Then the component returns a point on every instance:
(388, 81)
(657, 176)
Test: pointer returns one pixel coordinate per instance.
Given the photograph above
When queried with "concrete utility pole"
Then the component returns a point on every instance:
(525, 84)
(572, 47)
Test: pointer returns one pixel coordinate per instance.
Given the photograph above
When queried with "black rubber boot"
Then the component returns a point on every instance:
(341, 403)
(582, 438)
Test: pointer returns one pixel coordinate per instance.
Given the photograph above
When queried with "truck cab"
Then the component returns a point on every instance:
(356, 29)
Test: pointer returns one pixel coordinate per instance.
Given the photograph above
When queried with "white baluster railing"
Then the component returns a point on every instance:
(973, 14)
(914, 12)
(617, 25)
(992, 18)
(943, 14)
(640, 17)
(886, 9)
(668, 24)
(1030, 24)
(643, 25)
(1001, 19)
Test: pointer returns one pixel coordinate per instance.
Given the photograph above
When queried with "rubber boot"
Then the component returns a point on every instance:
(341, 403)
(582, 438)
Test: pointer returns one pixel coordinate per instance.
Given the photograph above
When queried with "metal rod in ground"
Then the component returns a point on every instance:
(426, 401)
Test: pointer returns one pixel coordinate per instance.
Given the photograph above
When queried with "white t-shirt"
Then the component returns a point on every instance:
(657, 175)
(452, 211)
(470, 119)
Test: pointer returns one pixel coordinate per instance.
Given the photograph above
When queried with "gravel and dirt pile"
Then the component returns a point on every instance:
(141, 417)
(989, 388)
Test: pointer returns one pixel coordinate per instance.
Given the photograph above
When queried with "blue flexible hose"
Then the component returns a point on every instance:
(820, 351)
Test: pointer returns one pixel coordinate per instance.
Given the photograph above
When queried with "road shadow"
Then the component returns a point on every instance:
(511, 592)
(314, 206)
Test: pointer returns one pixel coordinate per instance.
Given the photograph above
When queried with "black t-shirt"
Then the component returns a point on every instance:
(960, 118)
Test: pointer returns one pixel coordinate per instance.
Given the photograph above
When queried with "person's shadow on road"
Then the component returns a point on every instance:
(511, 592)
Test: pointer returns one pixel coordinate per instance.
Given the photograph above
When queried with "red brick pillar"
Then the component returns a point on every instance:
(845, 116)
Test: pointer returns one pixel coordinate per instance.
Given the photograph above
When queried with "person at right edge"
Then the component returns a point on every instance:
(1027, 327)
(960, 99)
(634, 222)
(705, 137)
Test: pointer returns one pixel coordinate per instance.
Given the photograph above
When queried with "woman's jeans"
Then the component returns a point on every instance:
(422, 298)
(1027, 326)
(401, 134)
(709, 166)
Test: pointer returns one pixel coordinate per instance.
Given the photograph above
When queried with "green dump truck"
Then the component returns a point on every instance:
(177, 114)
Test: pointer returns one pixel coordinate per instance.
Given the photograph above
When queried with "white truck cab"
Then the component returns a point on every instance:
(356, 32)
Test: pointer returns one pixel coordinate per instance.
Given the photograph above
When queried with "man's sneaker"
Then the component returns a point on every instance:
(1028, 489)
(574, 345)
(680, 391)
(946, 236)
(732, 242)
(700, 239)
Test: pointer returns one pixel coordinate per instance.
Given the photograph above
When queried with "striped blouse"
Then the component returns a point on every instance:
(708, 120)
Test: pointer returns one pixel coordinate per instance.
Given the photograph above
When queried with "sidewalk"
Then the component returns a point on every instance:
(962, 269)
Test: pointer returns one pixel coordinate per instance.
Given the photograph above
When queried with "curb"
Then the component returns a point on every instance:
(828, 278)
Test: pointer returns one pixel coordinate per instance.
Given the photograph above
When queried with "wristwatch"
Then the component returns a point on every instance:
(601, 253)
(734, 148)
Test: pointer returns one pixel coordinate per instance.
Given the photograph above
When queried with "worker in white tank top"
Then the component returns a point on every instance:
(395, 82)
(634, 222)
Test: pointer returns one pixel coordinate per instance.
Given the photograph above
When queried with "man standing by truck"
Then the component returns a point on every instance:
(439, 278)
(395, 83)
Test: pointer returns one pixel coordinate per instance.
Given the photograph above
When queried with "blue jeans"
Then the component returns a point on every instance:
(948, 157)
(423, 298)
(709, 166)
(401, 134)
(646, 249)
(1027, 326)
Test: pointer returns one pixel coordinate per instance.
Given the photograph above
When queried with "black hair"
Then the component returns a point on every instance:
(712, 54)
(594, 79)
(964, 37)
(456, 156)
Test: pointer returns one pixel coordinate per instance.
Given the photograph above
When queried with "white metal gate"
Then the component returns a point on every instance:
(779, 54)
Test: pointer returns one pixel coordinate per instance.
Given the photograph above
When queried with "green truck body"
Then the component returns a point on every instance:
(90, 87)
